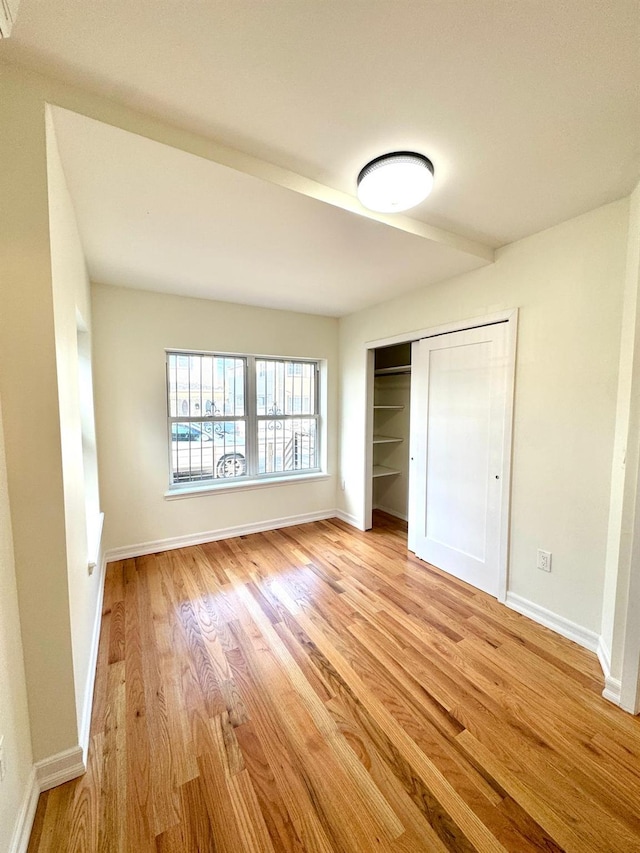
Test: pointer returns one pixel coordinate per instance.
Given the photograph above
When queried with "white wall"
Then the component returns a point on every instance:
(71, 303)
(568, 283)
(131, 331)
(14, 715)
(29, 390)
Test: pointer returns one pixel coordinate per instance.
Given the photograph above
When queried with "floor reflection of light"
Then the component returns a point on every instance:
(280, 591)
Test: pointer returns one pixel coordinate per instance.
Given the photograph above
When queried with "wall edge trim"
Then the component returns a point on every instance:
(87, 708)
(612, 686)
(612, 690)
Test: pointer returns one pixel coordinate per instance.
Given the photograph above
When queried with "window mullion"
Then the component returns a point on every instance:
(316, 409)
(252, 423)
(168, 382)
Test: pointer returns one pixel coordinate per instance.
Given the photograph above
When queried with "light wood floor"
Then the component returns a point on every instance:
(320, 689)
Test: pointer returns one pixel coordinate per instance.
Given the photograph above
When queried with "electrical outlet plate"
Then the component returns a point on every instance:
(544, 560)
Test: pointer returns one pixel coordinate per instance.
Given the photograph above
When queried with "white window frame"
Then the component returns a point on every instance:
(251, 419)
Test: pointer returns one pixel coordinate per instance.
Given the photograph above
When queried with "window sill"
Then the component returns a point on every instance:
(193, 491)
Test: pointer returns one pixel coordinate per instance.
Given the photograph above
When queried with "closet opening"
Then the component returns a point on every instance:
(390, 441)
(439, 423)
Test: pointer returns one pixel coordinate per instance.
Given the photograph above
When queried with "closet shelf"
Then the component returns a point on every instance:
(386, 439)
(381, 471)
(391, 371)
(390, 408)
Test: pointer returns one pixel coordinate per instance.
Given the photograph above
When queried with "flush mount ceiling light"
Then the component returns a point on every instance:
(395, 182)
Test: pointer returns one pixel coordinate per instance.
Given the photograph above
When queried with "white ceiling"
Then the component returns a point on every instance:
(530, 111)
(157, 218)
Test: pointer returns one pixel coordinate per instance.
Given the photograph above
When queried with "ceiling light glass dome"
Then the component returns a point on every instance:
(395, 182)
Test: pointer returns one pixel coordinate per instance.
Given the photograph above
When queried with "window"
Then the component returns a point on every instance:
(241, 416)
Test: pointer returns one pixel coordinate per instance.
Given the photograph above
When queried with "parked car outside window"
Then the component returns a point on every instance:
(208, 450)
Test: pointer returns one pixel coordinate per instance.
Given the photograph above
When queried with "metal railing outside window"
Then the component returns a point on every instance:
(241, 416)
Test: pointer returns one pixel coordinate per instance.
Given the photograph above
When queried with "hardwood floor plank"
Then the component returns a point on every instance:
(84, 813)
(139, 806)
(210, 552)
(274, 812)
(116, 633)
(112, 832)
(171, 661)
(319, 689)
(115, 581)
(418, 833)
(55, 825)
(204, 669)
(225, 830)
(196, 826)
(296, 650)
(253, 834)
(164, 788)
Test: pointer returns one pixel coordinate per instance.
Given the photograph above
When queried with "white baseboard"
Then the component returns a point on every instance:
(24, 821)
(392, 512)
(87, 707)
(612, 686)
(44, 775)
(60, 768)
(582, 636)
(348, 518)
(571, 630)
(128, 551)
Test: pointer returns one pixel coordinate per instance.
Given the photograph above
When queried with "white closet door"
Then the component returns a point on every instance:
(459, 411)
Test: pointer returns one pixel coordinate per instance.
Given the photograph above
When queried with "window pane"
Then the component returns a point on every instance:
(269, 386)
(285, 387)
(205, 385)
(191, 452)
(286, 445)
(178, 385)
(228, 386)
(229, 440)
(207, 450)
(301, 398)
